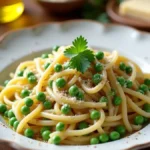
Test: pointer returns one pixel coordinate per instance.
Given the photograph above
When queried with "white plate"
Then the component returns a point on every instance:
(127, 41)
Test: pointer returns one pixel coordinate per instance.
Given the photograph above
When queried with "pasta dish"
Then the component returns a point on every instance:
(76, 96)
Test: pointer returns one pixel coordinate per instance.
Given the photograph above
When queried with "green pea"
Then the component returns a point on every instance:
(55, 48)
(94, 115)
(29, 133)
(6, 113)
(15, 124)
(139, 120)
(147, 82)
(121, 129)
(41, 96)
(45, 135)
(83, 125)
(12, 120)
(50, 83)
(146, 107)
(28, 102)
(56, 140)
(122, 66)
(44, 129)
(140, 91)
(3, 108)
(94, 141)
(98, 67)
(114, 135)
(32, 79)
(25, 110)
(6, 82)
(60, 126)
(11, 113)
(103, 99)
(129, 84)
(80, 95)
(117, 101)
(66, 109)
(103, 138)
(25, 93)
(99, 55)
(20, 73)
(46, 65)
(97, 78)
(128, 69)
(143, 87)
(121, 81)
(47, 105)
(44, 56)
(58, 67)
(30, 74)
(60, 82)
(73, 90)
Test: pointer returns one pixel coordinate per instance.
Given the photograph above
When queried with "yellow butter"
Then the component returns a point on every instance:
(139, 9)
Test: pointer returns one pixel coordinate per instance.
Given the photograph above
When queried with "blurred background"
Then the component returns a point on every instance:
(15, 14)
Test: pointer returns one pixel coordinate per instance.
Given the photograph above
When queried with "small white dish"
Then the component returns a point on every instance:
(17, 44)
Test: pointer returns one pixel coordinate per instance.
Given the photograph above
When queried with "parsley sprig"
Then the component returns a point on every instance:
(79, 54)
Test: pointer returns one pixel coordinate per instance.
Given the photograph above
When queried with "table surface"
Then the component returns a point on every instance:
(32, 15)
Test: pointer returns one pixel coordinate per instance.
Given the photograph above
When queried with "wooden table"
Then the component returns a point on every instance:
(32, 15)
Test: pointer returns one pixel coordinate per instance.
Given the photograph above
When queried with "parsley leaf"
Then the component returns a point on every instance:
(70, 52)
(79, 45)
(88, 54)
(81, 56)
(80, 63)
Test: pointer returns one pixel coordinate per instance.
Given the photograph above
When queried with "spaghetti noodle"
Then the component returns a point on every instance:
(46, 99)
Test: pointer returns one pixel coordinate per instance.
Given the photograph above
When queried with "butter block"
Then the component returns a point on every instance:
(139, 9)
